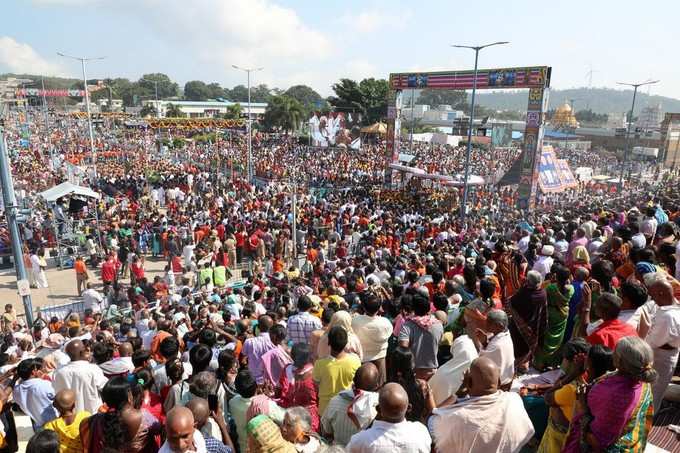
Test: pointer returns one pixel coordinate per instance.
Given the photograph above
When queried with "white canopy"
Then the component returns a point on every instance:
(414, 170)
(473, 180)
(66, 188)
(436, 177)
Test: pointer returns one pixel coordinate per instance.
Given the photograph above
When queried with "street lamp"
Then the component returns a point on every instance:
(250, 139)
(155, 84)
(87, 104)
(472, 116)
(630, 122)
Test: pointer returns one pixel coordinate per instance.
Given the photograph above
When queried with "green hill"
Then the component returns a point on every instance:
(599, 100)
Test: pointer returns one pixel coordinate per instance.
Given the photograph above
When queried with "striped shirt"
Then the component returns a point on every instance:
(336, 422)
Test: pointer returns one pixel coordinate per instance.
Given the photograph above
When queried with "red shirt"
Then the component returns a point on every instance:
(137, 270)
(610, 332)
(108, 271)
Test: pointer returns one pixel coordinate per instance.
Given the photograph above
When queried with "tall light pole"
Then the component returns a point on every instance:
(11, 213)
(630, 122)
(87, 104)
(472, 117)
(250, 122)
(155, 84)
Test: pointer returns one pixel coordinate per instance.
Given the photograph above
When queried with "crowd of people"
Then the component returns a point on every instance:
(343, 321)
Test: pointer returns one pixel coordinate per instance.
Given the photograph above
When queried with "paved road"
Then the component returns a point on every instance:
(62, 286)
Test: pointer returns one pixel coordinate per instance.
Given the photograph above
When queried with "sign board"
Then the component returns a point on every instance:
(491, 79)
(24, 287)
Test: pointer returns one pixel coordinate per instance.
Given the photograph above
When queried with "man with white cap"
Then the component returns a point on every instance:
(545, 260)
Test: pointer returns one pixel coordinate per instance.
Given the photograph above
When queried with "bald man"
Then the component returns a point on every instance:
(200, 408)
(81, 376)
(391, 431)
(255, 347)
(119, 366)
(336, 424)
(181, 434)
(491, 419)
(664, 337)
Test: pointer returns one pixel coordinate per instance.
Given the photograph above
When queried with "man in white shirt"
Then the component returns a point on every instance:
(664, 337)
(390, 430)
(92, 299)
(374, 332)
(491, 419)
(500, 348)
(545, 260)
(81, 376)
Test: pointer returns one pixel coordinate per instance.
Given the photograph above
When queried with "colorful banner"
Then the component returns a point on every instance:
(23, 92)
(567, 177)
(549, 175)
(554, 174)
(533, 144)
(531, 77)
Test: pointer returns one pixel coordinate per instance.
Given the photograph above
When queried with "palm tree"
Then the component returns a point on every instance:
(233, 112)
(284, 112)
(147, 110)
(173, 111)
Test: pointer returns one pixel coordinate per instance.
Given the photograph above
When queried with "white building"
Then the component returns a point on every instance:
(203, 109)
(116, 104)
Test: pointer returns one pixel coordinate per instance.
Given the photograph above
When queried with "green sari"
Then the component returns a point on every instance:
(558, 311)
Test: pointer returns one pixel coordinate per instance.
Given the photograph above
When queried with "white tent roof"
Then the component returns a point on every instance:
(66, 188)
(414, 170)
(473, 180)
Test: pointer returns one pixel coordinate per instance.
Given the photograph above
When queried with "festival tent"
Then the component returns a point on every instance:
(66, 188)
(459, 180)
(377, 128)
(405, 168)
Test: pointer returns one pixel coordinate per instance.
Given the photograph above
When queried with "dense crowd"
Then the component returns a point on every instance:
(375, 324)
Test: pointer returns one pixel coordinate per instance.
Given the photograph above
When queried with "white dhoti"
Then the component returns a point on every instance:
(665, 361)
(40, 278)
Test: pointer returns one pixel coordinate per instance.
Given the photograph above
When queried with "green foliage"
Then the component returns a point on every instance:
(205, 138)
(418, 127)
(284, 112)
(178, 142)
(195, 90)
(233, 112)
(173, 111)
(368, 97)
(434, 98)
(590, 117)
(310, 99)
(259, 93)
(166, 87)
(147, 110)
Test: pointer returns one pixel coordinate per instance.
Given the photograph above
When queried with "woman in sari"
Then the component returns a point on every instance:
(121, 428)
(296, 386)
(343, 319)
(559, 292)
(615, 414)
(264, 436)
(580, 258)
(529, 321)
(562, 396)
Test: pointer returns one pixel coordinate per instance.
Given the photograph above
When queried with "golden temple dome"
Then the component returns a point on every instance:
(564, 117)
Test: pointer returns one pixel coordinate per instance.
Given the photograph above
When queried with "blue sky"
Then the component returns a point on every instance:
(317, 42)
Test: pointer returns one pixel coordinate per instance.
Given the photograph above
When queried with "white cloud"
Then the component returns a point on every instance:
(64, 2)
(371, 21)
(257, 32)
(22, 58)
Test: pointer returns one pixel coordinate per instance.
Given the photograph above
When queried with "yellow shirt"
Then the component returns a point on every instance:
(565, 398)
(334, 375)
(69, 435)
